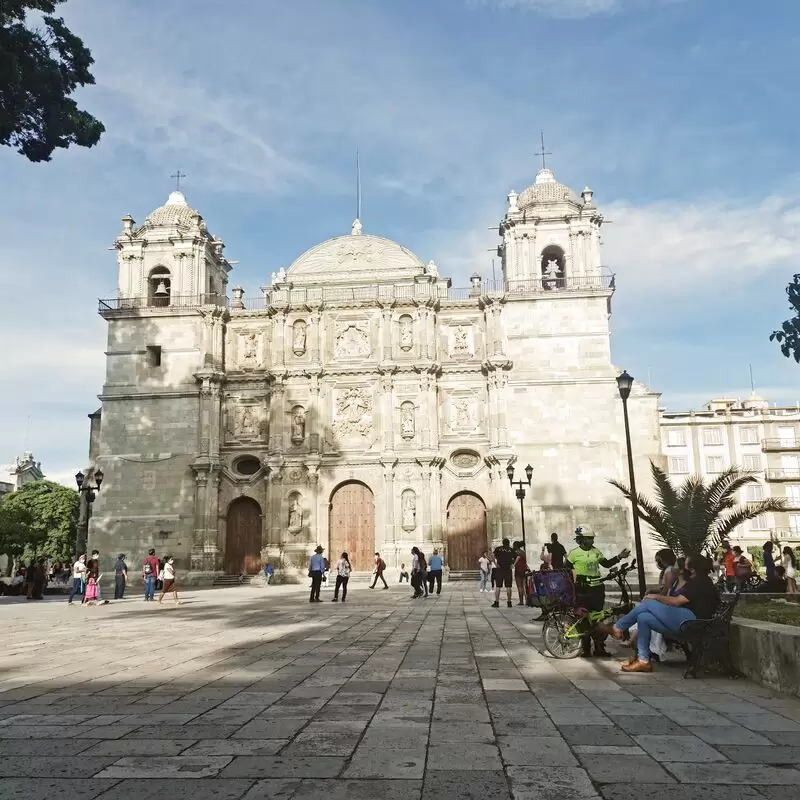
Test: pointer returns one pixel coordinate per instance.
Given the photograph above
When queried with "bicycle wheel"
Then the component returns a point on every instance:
(560, 637)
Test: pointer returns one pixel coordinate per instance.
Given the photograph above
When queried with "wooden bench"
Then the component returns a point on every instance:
(709, 639)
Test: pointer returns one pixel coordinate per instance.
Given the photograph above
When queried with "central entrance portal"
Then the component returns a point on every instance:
(466, 531)
(243, 537)
(352, 525)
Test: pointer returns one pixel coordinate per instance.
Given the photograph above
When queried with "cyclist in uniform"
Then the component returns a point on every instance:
(505, 557)
(585, 562)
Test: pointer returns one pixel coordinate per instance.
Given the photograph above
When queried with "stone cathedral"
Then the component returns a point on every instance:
(359, 401)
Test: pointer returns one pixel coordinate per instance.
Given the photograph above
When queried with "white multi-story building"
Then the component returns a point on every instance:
(752, 435)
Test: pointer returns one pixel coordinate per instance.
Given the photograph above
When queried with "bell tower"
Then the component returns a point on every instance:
(551, 237)
(170, 260)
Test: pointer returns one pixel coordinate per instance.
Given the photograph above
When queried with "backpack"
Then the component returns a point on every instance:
(148, 568)
(381, 565)
(423, 564)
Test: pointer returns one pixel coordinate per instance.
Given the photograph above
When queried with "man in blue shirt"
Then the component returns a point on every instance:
(435, 572)
(316, 566)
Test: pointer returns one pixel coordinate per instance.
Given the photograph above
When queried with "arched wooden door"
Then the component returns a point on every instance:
(466, 531)
(243, 537)
(352, 525)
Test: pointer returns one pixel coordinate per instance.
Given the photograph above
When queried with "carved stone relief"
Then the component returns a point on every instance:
(353, 413)
(465, 459)
(406, 333)
(407, 421)
(247, 422)
(299, 331)
(249, 349)
(352, 340)
(461, 345)
(295, 517)
(463, 416)
(408, 504)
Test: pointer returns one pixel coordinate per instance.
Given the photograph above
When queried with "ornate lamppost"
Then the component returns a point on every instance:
(87, 495)
(521, 496)
(625, 384)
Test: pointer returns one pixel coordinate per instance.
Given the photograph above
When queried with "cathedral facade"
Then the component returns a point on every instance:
(360, 401)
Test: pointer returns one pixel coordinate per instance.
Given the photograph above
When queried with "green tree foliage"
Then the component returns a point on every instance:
(40, 520)
(696, 516)
(41, 64)
(788, 337)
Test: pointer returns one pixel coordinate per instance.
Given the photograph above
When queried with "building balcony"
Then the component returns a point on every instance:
(783, 534)
(122, 305)
(776, 445)
(783, 474)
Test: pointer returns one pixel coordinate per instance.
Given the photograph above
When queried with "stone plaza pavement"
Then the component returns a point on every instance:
(254, 693)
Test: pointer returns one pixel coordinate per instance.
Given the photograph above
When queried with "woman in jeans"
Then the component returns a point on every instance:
(343, 570)
(665, 614)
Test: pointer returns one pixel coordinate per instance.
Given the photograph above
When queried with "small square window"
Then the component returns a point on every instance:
(748, 435)
(794, 523)
(712, 436)
(154, 355)
(755, 492)
(751, 463)
(676, 437)
(678, 465)
(714, 464)
(759, 523)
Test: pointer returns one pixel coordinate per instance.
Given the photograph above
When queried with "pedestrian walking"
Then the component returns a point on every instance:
(556, 551)
(92, 595)
(120, 577)
(769, 561)
(380, 568)
(150, 570)
(484, 565)
(789, 561)
(435, 566)
(343, 570)
(269, 570)
(520, 570)
(504, 577)
(316, 566)
(419, 570)
(78, 578)
(493, 571)
(169, 581)
(93, 565)
(404, 576)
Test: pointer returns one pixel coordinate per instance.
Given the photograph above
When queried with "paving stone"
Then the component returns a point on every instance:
(642, 726)
(791, 738)
(45, 747)
(596, 735)
(139, 747)
(165, 767)
(531, 750)
(277, 728)
(182, 732)
(505, 685)
(57, 767)
(393, 789)
(765, 722)
(524, 726)
(236, 747)
(185, 789)
(463, 756)
(368, 762)
(656, 791)
(759, 754)
(606, 750)
(624, 769)
(734, 774)
(278, 767)
(52, 788)
(558, 783)
(724, 735)
(678, 748)
(442, 731)
(457, 785)
(464, 712)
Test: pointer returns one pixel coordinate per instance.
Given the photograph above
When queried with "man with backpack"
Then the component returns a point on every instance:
(419, 572)
(380, 567)
(150, 570)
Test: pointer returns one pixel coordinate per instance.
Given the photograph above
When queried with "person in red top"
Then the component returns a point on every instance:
(520, 568)
(380, 566)
(729, 562)
(150, 573)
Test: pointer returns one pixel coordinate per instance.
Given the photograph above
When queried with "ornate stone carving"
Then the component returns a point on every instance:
(406, 333)
(465, 459)
(247, 422)
(298, 424)
(248, 347)
(294, 474)
(295, 520)
(299, 330)
(353, 414)
(462, 414)
(409, 510)
(358, 252)
(461, 345)
(407, 422)
(352, 340)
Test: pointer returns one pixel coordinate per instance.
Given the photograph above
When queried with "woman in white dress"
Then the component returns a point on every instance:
(790, 565)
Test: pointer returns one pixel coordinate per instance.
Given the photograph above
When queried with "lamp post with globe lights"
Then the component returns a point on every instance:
(87, 495)
(625, 384)
(521, 496)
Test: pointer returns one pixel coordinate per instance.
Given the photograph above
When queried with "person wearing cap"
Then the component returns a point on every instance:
(585, 562)
(120, 576)
(316, 566)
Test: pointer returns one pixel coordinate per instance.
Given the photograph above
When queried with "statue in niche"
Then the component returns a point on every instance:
(295, 515)
(461, 341)
(298, 424)
(463, 416)
(409, 510)
(407, 426)
(248, 423)
(552, 272)
(249, 347)
(406, 333)
(299, 337)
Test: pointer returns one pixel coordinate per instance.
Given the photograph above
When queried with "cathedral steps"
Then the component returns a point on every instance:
(457, 576)
(232, 580)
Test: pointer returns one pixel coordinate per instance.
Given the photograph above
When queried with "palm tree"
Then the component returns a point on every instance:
(697, 516)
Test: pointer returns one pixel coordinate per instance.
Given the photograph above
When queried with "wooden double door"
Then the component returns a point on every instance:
(466, 531)
(243, 538)
(352, 525)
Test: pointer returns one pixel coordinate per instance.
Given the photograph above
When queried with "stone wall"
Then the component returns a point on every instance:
(768, 653)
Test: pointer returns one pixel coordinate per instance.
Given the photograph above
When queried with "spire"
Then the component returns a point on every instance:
(356, 229)
(543, 152)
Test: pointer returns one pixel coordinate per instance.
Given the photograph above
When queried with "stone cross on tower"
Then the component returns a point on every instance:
(178, 175)
(543, 152)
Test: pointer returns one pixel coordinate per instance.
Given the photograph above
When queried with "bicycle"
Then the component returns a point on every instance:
(563, 629)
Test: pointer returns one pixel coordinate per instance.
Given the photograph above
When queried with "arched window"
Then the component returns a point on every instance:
(554, 268)
(159, 287)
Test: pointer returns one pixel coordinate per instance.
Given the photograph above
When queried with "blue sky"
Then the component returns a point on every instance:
(680, 114)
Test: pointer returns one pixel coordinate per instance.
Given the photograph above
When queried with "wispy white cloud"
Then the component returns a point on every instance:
(558, 8)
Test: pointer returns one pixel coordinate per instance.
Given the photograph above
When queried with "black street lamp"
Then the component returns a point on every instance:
(625, 384)
(87, 495)
(521, 496)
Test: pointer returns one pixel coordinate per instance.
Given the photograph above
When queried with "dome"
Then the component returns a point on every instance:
(546, 189)
(355, 258)
(175, 213)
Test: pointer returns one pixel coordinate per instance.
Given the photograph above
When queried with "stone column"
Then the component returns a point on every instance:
(424, 505)
(319, 525)
(386, 334)
(389, 537)
(510, 260)
(313, 337)
(434, 492)
(279, 351)
(502, 392)
(571, 271)
(432, 412)
(422, 410)
(492, 422)
(214, 544)
(387, 428)
(214, 417)
(277, 417)
(313, 428)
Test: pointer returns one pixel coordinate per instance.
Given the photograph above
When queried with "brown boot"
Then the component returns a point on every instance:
(637, 666)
